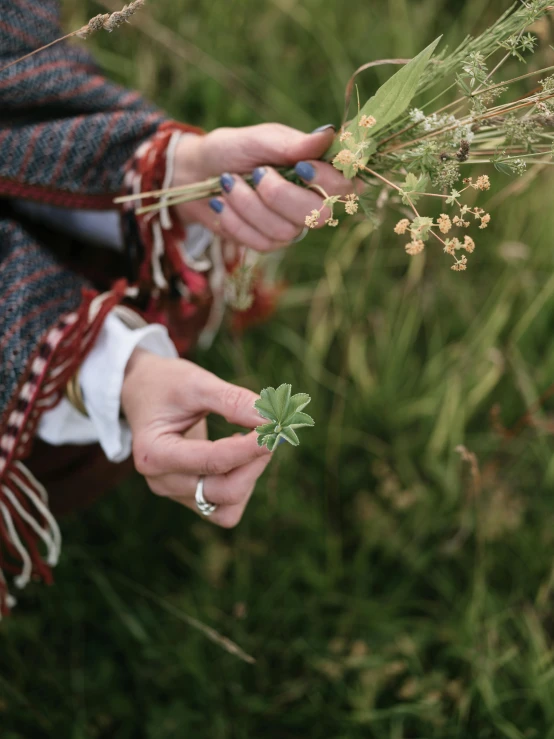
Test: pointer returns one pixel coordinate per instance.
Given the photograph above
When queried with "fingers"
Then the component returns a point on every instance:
(325, 176)
(229, 489)
(251, 208)
(273, 212)
(225, 220)
(173, 454)
(296, 202)
(161, 453)
(235, 487)
(230, 492)
(283, 197)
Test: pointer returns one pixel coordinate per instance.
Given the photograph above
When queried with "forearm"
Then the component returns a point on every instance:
(101, 380)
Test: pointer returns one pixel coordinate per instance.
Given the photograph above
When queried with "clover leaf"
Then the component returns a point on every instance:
(283, 413)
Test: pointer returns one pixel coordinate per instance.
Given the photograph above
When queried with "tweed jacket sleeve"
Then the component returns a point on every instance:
(70, 138)
(66, 132)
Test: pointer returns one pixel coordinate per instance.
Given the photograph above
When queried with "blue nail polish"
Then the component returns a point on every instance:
(326, 127)
(216, 205)
(257, 175)
(227, 181)
(305, 170)
(281, 441)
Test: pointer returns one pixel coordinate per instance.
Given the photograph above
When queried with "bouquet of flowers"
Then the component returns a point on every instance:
(427, 152)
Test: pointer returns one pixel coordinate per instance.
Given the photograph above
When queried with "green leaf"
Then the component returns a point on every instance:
(265, 407)
(414, 187)
(296, 403)
(284, 413)
(297, 420)
(299, 401)
(420, 227)
(281, 399)
(266, 428)
(454, 195)
(271, 441)
(267, 440)
(290, 436)
(503, 168)
(392, 98)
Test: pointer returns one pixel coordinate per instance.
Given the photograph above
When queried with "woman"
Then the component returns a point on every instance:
(96, 305)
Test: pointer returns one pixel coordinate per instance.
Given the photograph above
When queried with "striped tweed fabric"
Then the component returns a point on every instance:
(66, 135)
(65, 131)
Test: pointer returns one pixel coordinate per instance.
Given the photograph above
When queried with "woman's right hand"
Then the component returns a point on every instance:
(162, 400)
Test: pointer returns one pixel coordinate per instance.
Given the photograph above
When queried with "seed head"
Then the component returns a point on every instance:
(110, 22)
(462, 154)
(367, 121)
(414, 247)
(483, 182)
(460, 265)
(312, 219)
(444, 223)
(451, 245)
(351, 205)
(94, 24)
(402, 226)
(485, 220)
(345, 156)
(457, 221)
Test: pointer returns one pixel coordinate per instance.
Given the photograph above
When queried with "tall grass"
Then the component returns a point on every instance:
(382, 593)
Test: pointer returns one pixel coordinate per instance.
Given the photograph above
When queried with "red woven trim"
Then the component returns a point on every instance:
(43, 383)
(147, 171)
(61, 198)
(57, 357)
(184, 127)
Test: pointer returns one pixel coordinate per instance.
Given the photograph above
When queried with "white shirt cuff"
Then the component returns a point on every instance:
(101, 379)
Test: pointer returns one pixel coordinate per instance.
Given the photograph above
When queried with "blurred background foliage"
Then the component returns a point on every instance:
(384, 591)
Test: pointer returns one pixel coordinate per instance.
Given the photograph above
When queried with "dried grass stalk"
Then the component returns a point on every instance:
(109, 21)
(104, 21)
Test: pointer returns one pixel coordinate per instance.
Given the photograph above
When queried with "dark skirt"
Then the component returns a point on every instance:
(75, 476)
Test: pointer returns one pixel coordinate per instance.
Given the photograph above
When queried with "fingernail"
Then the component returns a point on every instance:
(227, 181)
(216, 205)
(257, 175)
(281, 441)
(326, 127)
(305, 170)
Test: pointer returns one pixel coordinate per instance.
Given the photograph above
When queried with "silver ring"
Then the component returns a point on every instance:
(205, 508)
(301, 235)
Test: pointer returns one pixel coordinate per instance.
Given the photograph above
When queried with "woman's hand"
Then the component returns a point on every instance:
(165, 402)
(271, 213)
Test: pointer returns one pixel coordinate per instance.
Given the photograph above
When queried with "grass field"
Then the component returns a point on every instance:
(383, 591)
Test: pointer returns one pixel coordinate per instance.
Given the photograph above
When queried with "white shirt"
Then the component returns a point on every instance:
(102, 372)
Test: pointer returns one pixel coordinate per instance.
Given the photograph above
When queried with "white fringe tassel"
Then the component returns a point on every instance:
(49, 533)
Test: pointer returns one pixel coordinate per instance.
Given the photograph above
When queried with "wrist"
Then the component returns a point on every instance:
(137, 369)
(188, 162)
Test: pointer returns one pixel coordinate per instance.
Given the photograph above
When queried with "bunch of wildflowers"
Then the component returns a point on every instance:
(417, 153)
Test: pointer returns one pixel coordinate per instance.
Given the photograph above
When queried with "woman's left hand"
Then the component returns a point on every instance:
(271, 213)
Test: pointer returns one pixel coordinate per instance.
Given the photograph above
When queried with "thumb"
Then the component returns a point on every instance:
(242, 149)
(234, 403)
(287, 146)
